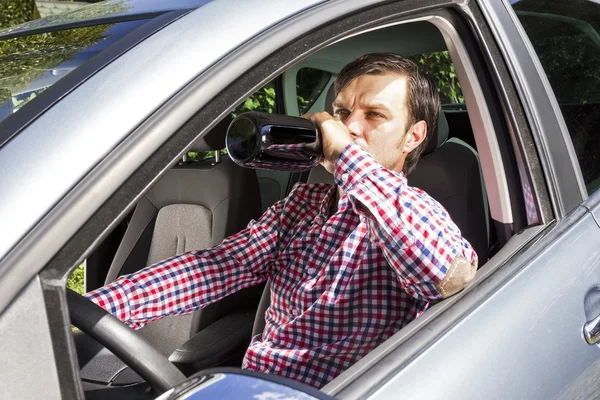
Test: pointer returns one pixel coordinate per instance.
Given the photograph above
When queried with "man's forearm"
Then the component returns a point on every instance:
(187, 282)
(176, 286)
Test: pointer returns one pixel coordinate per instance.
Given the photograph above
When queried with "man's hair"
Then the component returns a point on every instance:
(422, 99)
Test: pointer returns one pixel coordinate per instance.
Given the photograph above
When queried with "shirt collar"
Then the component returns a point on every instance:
(326, 204)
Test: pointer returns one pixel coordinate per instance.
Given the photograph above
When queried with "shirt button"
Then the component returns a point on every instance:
(329, 229)
(344, 177)
(311, 271)
(295, 313)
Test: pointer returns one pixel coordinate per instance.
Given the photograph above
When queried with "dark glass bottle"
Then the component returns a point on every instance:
(273, 142)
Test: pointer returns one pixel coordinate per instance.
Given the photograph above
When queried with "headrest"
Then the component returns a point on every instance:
(329, 99)
(215, 138)
(440, 135)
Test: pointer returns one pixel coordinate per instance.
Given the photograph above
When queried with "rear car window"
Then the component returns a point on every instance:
(31, 64)
(566, 38)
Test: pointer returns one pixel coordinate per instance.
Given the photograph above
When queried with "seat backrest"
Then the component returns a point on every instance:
(193, 206)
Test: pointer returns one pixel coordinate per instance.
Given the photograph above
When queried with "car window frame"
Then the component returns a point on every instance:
(107, 215)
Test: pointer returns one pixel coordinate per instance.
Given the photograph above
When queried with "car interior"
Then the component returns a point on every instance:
(206, 197)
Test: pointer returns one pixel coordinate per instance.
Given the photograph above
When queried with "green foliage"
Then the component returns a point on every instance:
(85, 13)
(263, 100)
(75, 283)
(14, 12)
(75, 280)
(23, 59)
(202, 155)
(440, 67)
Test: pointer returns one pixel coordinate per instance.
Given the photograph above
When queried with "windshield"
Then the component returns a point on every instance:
(31, 64)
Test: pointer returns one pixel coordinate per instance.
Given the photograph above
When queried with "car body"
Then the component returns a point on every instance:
(75, 160)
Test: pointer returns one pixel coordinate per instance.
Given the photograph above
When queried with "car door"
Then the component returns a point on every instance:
(393, 370)
(520, 334)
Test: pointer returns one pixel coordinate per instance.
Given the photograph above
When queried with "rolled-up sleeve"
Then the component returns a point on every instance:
(416, 234)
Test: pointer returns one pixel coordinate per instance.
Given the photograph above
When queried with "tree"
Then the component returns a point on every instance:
(23, 59)
(439, 67)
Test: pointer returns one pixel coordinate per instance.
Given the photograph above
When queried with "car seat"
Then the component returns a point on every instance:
(195, 205)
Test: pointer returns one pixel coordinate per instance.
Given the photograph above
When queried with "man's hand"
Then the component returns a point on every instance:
(335, 137)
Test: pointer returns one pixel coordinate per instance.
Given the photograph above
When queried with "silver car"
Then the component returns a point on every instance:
(113, 113)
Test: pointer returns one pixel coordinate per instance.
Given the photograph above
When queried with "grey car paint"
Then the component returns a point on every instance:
(525, 340)
(26, 348)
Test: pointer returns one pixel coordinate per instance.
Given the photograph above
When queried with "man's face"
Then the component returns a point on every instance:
(373, 108)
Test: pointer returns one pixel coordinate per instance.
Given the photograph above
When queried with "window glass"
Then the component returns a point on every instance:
(310, 83)
(566, 38)
(438, 65)
(31, 64)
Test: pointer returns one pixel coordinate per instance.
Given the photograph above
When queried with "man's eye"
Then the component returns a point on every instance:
(341, 113)
(373, 114)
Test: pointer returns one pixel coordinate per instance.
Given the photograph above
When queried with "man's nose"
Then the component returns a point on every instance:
(354, 124)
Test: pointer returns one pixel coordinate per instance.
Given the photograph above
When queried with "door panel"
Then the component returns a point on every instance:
(28, 367)
(525, 341)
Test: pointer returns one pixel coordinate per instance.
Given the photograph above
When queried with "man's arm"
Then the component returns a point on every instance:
(190, 281)
(416, 234)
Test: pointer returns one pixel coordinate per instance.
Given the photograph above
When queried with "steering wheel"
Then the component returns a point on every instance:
(131, 348)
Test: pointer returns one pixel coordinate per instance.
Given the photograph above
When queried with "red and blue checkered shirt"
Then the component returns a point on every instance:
(341, 284)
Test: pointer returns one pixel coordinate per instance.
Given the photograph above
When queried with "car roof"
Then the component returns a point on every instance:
(106, 11)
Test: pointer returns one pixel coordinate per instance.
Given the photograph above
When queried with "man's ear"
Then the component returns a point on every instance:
(415, 136)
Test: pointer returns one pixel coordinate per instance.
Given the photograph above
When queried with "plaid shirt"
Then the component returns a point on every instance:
(341, 284)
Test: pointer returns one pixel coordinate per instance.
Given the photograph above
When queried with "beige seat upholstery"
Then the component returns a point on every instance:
(195, 205)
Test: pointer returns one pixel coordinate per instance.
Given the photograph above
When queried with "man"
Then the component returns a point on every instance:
(349, 266)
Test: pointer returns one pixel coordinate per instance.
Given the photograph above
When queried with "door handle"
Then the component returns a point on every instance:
(591, 331)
